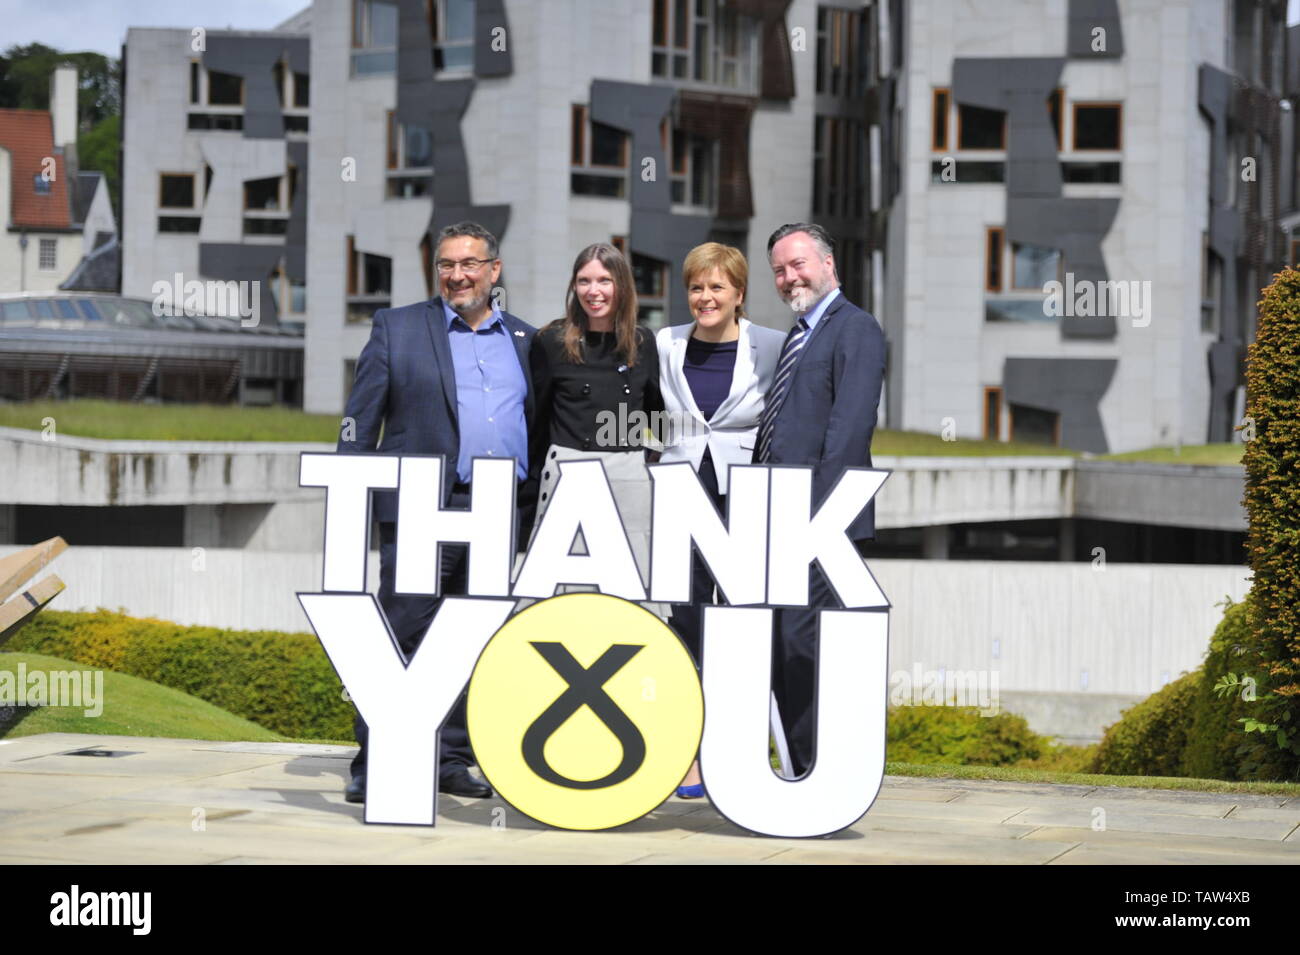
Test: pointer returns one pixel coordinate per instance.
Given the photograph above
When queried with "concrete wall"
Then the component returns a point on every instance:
(1070, 644)
(213, 476)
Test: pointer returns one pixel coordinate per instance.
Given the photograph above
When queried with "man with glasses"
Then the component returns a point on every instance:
(448, 376)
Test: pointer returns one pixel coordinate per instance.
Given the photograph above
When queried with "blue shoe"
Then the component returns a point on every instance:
(690, 792)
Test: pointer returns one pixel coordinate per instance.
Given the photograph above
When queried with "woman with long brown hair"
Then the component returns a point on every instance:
(596, 381)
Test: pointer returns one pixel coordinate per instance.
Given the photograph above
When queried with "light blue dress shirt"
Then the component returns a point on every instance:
(490, 393)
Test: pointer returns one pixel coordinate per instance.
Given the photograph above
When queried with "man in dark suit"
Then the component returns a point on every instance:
(448, 376)
(820, 411)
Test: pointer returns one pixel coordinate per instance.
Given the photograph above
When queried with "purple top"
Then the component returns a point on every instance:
(709, 368)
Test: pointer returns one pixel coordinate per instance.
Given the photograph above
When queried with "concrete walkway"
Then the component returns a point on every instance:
(187, 801)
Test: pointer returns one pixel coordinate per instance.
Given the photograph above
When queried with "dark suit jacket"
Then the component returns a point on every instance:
(829, 412)
(406, 383)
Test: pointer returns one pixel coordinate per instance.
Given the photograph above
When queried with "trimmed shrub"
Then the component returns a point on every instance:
(959, 736)
(1150, 736)
(282, 681)
(1272, 460)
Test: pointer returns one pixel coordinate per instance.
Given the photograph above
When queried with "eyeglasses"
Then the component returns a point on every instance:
(468, 266)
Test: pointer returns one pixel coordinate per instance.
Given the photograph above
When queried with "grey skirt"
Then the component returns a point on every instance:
(630, 483)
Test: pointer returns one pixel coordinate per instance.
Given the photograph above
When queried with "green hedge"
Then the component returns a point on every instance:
(1151, 736)
(958, 735)
(282, 681)
(1188, 728)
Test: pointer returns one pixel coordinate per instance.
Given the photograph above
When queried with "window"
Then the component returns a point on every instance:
(1056, 111)
(705, 42)
(839, 167)
(370, 283)
(266, 204)
(374, 37)
(979, 128)
(939, 120)
(41, 185)
(1091, 172)
(47, 261)
(222, 121)
(410, 147)
(290, 297)
(993, 414)
(1097, 125)
(176, 190)
(195, 73)
(993, 260)
(1033, 266)
(651, 279)
(1035, 425)
(598, 155)
(292, 88)
(967, 170)
(1212, 284)
(263, 195)
(178, 223)
(451, 27)
(225, 89)
(694, 168)
(843, 52)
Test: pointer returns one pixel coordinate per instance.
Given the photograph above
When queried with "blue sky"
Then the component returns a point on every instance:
(100, 25)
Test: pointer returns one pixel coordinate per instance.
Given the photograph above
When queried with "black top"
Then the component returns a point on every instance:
(571, 397)
(709, 368)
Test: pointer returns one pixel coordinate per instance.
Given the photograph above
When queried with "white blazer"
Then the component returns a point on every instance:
(729, 434)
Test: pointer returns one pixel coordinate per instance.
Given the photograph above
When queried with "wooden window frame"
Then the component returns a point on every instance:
(588, 139)
(281, 195)
(939, 133)
(1292, 261)
(352, 265)
(194, 189)
(1074, 126)
(578, 136)
(994, 391)
(1001, 258)
(1056, 425)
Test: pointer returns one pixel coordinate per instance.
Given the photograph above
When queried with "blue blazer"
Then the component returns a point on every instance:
(406, 384)
(829, 412)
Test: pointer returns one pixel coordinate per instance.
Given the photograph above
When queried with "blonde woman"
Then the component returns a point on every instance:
(714, 374)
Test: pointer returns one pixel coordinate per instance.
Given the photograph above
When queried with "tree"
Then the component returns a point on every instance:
(25, 73)
(1272, 460)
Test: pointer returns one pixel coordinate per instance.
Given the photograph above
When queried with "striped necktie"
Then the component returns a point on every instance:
(794, 342)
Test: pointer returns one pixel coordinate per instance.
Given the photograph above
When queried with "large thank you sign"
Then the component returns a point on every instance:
(584, 709)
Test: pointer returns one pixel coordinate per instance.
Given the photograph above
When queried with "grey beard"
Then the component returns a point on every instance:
(470, 307)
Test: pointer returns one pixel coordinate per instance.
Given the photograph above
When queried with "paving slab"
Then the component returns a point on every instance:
(191, 801)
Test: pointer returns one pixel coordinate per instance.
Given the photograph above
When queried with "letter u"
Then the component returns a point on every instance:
(852, 683)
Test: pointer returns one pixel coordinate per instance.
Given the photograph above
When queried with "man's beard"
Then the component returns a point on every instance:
(474, 305)
(804, 297)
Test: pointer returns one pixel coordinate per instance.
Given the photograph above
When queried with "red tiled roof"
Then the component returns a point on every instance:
(28, 134)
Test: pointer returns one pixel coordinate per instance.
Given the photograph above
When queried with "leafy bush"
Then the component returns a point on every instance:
(282, 681)
(958, 735)
(1150, 737)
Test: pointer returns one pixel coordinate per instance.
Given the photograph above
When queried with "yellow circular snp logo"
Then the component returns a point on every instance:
(585, 711)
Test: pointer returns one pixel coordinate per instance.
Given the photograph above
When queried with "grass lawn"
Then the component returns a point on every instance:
(131, 707)
(1007, 774)
(128, 420)
(121, 419)
(1227, 453)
